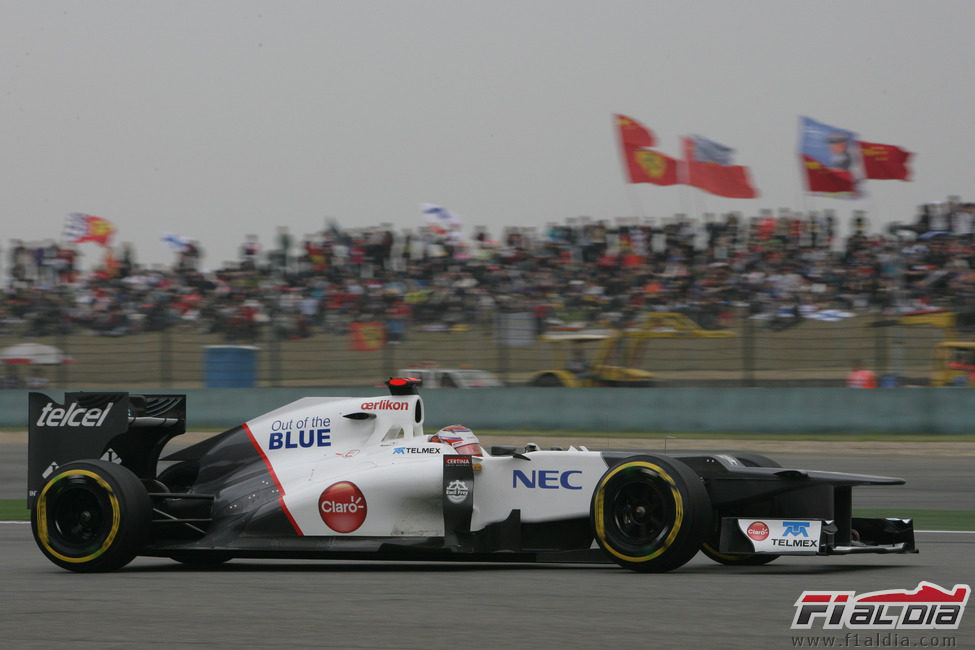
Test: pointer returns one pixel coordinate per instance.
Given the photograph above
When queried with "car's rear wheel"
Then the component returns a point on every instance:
(92, 515)
(548, 380)
(650, 513)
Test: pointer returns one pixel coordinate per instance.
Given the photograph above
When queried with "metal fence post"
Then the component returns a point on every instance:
(62, 371)
(165, 358)
(500, 328)
(747, 348)
(880, 355)
(274, 354)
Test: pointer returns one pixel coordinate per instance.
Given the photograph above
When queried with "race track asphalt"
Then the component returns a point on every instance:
(269, 604)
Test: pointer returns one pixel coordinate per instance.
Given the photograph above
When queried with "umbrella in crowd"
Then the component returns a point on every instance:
(34, 353)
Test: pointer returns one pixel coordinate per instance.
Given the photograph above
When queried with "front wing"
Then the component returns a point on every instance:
(750, 536)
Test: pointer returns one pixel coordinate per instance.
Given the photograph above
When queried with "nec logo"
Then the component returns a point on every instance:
(546, 479)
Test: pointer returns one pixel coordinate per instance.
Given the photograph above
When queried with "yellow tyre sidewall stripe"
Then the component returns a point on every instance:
(42, 532)
(599, 515)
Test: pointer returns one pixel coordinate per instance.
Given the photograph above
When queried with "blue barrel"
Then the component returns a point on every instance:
(230, 366)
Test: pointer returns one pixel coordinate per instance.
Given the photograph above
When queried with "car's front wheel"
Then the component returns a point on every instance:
(92, 515)
(650, 513)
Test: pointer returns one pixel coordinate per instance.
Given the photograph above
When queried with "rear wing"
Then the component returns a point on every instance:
(119, 427)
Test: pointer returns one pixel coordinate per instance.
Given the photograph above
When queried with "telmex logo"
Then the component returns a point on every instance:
(927, 607)
(75, 416)
(795, 528)
(385, 405)
(546, 479)
(415, 450)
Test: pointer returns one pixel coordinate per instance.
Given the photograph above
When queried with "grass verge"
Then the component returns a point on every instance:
(14, 510)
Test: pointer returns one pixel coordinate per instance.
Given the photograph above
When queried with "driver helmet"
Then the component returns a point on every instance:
(460, 438)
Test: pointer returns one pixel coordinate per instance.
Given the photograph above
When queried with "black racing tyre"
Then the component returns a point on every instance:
(710, 546)
(92, 515)
(650, 513)
(547, 380)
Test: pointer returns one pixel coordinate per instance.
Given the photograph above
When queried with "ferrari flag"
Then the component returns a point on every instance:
(632, 133)
(710, 168)
(884, 162)
(649, 166)
(80, 227)
(829, 158)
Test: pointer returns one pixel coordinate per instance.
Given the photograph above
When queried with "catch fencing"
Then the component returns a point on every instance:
(749, 352)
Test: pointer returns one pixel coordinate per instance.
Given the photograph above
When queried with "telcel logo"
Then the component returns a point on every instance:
(546, 479)
(73, 416)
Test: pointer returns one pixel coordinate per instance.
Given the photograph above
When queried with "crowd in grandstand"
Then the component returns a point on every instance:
(581, 270)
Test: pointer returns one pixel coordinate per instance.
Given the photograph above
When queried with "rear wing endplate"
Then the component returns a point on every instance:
(120, 427)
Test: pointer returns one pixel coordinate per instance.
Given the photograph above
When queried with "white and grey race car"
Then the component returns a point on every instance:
(350, 477)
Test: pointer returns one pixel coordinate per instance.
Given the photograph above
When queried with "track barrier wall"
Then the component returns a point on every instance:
(655, 410)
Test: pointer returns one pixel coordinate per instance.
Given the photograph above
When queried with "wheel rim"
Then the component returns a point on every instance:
(642, 514)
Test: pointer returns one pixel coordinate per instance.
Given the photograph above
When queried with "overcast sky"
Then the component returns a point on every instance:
(214, 119)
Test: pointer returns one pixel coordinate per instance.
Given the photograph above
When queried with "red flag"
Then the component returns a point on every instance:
(884, 161)
(709, 169)
(821, 178)
(649, 166)
(633, 134)
(366, 336)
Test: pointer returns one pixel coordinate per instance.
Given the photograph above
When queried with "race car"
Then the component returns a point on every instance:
(359, 478)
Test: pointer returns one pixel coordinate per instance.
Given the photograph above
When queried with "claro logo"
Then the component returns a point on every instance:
(342, 507)
(74, 416)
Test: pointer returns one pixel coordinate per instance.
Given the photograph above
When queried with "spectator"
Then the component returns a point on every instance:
(860, 377)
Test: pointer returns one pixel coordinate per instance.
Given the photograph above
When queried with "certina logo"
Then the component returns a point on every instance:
(758, 530)
(416, 450)
(53, 415)
(301, 438)
(385, 405)
(457, 491)
(457, 460)
(927, 607)
(342, 507)
(546, 479)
